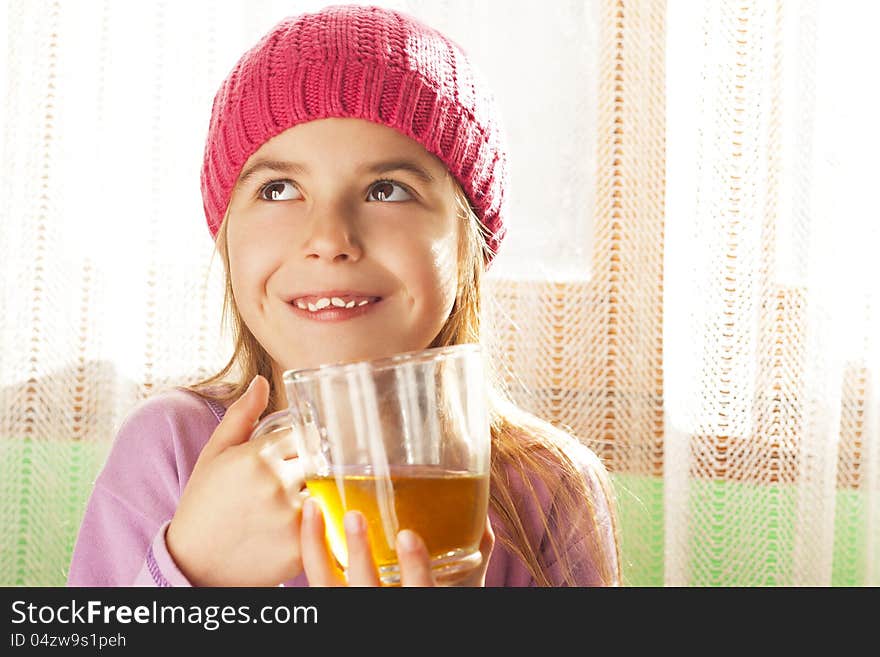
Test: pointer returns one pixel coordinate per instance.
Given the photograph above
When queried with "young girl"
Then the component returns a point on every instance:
(353, 181)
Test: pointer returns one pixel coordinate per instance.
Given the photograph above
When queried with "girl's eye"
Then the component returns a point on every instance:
(274, 191)
(384, 191)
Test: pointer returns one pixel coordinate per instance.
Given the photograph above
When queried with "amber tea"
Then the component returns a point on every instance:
(446, 508)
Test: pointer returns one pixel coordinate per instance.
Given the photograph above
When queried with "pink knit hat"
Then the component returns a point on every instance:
(360, 62)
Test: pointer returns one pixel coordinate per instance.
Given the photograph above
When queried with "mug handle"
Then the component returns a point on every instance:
(273, 422)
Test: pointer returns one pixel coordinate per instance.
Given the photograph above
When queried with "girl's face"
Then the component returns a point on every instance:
(343, 243)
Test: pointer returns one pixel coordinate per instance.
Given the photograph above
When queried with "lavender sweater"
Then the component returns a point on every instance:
(121, 541)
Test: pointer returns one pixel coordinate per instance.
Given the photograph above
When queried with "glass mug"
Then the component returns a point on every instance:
(404, 440)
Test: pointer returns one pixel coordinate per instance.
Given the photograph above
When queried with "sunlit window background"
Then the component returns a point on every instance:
(689, 282)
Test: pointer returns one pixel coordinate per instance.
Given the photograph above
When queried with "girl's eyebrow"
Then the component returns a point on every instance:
(381, 167)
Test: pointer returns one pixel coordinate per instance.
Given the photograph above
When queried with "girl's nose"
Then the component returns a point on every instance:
(331, 238)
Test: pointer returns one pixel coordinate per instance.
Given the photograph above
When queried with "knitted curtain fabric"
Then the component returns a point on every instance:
(771, 321)
(581, 343)
(688, 282)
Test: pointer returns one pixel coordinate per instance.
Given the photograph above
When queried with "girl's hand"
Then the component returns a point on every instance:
(238, 520)
(415, 564)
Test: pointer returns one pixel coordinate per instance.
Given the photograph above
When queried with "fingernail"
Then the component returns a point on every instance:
(251, 385)
(408, 540)
(354, 522)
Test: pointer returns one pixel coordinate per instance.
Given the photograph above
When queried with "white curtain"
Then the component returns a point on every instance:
(771, 323)
(687, 282)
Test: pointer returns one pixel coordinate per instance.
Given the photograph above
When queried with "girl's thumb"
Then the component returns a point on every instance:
(240, 418)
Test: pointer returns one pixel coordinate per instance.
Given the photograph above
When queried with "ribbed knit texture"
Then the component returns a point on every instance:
(359, 62)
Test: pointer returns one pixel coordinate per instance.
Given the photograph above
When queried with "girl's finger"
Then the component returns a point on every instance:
(361, 566)
(318, 562)
(487, 542)
(415, 562)
(290, 476)
(237, 424)
(478, 576)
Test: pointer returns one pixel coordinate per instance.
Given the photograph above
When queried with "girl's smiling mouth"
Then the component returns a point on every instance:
(333, 305)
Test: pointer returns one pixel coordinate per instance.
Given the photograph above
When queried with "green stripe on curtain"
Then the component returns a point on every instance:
(37, 541)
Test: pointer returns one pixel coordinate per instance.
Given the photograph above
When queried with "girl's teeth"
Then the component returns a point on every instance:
(324, 302)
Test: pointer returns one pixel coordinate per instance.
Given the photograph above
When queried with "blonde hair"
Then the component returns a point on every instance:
(525, 449)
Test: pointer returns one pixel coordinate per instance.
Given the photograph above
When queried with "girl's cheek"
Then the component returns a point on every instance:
(445, 258)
